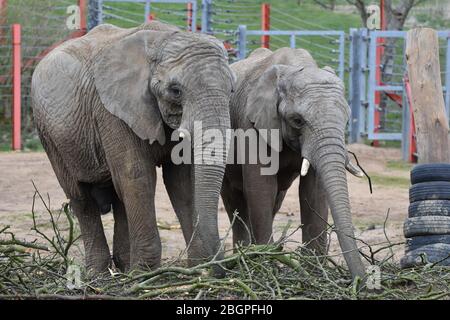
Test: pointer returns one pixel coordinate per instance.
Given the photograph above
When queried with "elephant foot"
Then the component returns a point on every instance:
(145, 265)
(122, 262)
(99, 263)
(148, 258)
(195, 258)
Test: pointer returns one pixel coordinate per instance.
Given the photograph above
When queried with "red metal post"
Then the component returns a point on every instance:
(83, 16)
(16, 70)
(265, 24)
(189, 16)
(380, 52)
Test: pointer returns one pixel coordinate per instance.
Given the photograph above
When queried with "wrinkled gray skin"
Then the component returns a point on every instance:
(286, 90)
(105, 106)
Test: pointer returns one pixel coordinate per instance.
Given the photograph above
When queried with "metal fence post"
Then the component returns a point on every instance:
(341, 55)
(265, 24)
(293, 42)
(83, 22)
(353, 86)
(242, 42)
(147, 10)
(362, 74)
(100, 12)
(95, 13)
(206, 16)
(194, 16)
(357, 83)
(16, 70)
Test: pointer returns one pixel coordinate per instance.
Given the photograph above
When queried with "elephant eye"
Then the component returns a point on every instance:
(297, 121)
(174, 91)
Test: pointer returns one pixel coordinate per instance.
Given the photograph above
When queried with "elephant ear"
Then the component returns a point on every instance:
(262, 104)
(122, 73)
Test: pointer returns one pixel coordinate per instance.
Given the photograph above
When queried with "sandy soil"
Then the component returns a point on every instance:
(18, 170)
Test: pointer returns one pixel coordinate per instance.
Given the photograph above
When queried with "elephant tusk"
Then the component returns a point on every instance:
(305, 167)
(354, 170)
(182, 135)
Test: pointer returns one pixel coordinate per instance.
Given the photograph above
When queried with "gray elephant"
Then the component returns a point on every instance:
(106, 106)
(286, 90)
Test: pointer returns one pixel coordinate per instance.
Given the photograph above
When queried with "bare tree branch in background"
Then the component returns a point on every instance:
(326, 4)
(395, 15)
(361, 6)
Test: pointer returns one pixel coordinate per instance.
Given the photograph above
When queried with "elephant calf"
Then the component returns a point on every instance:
(285, 90)
(105, 106)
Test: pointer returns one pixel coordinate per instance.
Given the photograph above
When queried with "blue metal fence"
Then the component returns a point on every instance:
(336, 54)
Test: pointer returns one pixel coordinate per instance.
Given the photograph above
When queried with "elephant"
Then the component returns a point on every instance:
(285, 90)
(106, 107)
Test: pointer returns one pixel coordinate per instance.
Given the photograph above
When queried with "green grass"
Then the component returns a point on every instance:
(384, 143)
(30, 141)
(399, 165)
(389, 181)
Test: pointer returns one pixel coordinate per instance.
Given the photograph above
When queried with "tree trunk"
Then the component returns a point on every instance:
(422, 55)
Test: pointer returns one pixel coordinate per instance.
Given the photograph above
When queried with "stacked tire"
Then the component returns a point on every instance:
(427, 227)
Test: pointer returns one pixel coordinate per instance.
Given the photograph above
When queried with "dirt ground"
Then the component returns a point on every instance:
(390, 179)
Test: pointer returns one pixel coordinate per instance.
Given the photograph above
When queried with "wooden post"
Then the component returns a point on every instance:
(16, 70)
(265, 24)
(422, 56)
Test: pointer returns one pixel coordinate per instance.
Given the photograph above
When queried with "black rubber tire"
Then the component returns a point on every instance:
(429, 208)
(424, 226)
(434, 253)
(430, 172)
(420, 241)
(438, 190)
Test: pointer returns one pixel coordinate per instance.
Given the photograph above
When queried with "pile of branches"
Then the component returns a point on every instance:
(45, 270)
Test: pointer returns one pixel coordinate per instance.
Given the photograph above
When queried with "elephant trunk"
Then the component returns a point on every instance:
(329, 159)
(210, 153)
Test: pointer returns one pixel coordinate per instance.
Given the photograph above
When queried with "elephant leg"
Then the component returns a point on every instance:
(279, 201)
(134, 177)
(136, 182)
(234, 201)
(121, 239)
(177, 179)
(260, 193)
(96, 249)
(314, 211)
(97, 255)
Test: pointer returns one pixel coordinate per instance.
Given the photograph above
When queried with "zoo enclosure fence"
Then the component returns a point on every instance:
(44, 26)
(377, 88)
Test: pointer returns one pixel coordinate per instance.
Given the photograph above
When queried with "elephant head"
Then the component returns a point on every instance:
(159, 82)
(307, 104)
